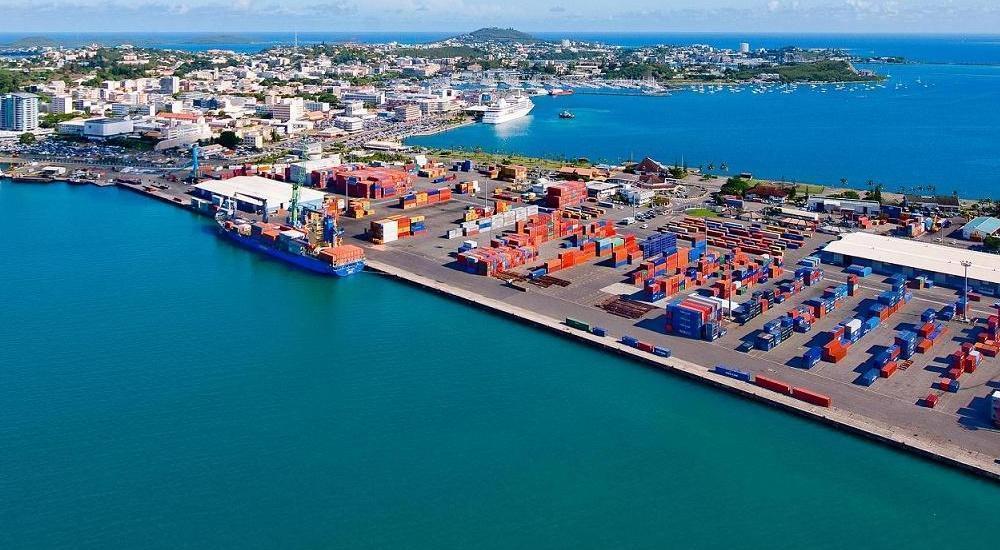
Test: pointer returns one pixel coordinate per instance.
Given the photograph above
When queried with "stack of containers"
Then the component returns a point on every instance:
(852, 285)
(868, 377)
(774, 333)
(929, 333)
(568, 193)
(359, 208)
(489, 261)
(907, 342)
(660, 243)
(836, 348)
(694, 317)
(384, 231)
(992, 331)
(947, 313)
(860, 271)
(811, 357)
(417, 226)
(965, 359)
(885, 361)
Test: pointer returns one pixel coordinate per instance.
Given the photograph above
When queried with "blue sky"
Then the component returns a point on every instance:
(794, 16)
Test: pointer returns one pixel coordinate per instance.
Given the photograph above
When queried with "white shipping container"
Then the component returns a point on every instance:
(853, 326)
(471, 244)
(390, 231)
(521, 214)
(454, 233)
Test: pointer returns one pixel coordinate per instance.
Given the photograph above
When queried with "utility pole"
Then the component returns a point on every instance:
(965, 294)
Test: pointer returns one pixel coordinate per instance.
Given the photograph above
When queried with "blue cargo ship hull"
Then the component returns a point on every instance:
(303, 262)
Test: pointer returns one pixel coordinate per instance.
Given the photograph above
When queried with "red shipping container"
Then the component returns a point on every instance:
(773, 385)
(811, 397)
(888, 369)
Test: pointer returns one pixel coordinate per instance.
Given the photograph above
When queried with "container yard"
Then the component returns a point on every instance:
(758, 307)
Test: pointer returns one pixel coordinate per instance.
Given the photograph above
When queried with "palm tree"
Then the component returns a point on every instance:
(843, 182)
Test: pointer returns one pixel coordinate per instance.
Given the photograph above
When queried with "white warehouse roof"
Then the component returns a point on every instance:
(252, 188)
(918, 255)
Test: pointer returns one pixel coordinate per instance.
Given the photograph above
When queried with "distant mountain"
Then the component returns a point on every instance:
(33, 42)
(497, 34)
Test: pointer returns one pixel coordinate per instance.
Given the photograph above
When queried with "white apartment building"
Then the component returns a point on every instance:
(288, 109)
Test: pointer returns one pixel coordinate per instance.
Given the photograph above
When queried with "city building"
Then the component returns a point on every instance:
(103, 128)
(407, 113)
(288, 109)
(170, 85)
(354, 108)
(892, 255)
(979, 228)
(823, 204)
(61, 105)
(19, 112)
(349, 123)
(372, 98)
(253, 139)
(744, 47)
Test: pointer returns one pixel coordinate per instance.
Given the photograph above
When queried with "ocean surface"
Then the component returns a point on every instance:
(163, 389)
(930, 125)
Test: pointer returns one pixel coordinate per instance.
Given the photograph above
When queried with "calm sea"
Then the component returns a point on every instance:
(162, 389)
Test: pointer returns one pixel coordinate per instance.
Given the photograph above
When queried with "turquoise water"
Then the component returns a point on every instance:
(162, 389)
(938, 128)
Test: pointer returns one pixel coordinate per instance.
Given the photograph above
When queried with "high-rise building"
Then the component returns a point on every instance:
(61, 105)
(19, 112)
(170, 85)
(289, 109)
(744, 47)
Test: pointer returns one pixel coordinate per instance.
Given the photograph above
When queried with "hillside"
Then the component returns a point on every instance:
(497, 34)
(33, 42)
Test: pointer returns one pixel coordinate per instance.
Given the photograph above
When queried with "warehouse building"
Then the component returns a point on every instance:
(979, 228)
(251, 193)
(942, 264)
(824, 204)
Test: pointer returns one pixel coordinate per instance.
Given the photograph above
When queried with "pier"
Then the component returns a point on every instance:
(971, 461)
(422, 262)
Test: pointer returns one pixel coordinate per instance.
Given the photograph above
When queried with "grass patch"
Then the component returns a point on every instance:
(804, 188)
(701, 213)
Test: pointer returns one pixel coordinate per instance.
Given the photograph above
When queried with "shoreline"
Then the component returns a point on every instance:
(970, 462)
(897, 437)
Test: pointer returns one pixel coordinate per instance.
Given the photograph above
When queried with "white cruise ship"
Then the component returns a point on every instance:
(506, 110)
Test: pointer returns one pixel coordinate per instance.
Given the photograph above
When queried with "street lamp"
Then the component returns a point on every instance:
(965, 294)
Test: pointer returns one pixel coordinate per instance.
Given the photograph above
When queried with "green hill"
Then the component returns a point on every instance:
(497, 34)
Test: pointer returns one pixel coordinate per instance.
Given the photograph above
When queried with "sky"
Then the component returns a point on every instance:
(233, 16)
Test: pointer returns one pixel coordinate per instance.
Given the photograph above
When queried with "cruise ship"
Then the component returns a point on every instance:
(507, 109)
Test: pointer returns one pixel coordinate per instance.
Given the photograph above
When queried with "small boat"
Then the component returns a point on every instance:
(566, 114)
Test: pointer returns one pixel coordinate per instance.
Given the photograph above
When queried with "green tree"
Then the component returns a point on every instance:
(991, 244)
(229, 139)
(27, 138)
(736, 186)
(853, 195)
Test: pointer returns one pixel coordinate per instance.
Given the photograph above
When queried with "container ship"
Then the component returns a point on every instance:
(315, 246)
(506, 110)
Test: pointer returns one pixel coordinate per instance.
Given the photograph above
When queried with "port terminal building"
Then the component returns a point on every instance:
(252, 193)
(942, 264)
